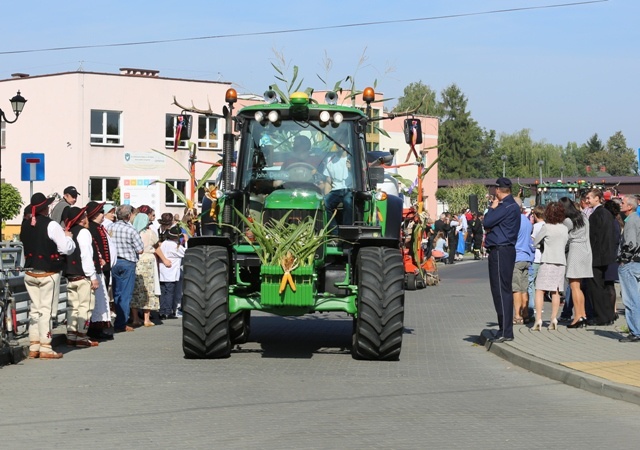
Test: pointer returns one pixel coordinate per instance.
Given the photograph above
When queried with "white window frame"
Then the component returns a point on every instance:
(169, 141)
(102, 197)
(170, 198)
(208, 142)
(104, 136)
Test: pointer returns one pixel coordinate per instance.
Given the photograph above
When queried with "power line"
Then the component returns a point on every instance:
(302, 30)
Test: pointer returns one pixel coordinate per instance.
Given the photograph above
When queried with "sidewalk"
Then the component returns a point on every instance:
(588, 358)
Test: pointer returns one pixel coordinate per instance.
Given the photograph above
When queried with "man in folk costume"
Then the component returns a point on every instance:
(44, 242)
(82, 272)
(100, 326)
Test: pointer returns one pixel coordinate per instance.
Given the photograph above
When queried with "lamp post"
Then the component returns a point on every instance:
(562, 174)
(540, 163)
(17, 104)
(504, 162)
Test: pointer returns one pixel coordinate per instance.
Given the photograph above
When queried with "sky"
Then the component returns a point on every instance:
(564, 73)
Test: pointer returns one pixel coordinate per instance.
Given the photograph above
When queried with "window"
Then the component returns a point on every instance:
(170, 132)
(3, 129)
(208, 133)
(106, 127)
(170, 197)
(102, 189)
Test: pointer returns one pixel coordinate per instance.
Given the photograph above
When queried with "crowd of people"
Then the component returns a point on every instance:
(122, 266)
(566, 249)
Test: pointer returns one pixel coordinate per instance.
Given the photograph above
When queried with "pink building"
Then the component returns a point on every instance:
(99, 131)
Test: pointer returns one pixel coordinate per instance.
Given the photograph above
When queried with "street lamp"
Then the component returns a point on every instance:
(562, 174)
(17, 104)
(504, 162)
(540, 163)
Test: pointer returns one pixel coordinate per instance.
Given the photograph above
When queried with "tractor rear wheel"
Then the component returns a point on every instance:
(205, 312)
(380, 320)
(240, 327)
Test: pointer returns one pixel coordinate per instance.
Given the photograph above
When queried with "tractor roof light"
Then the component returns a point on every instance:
(368, 95)
(325, 116)
(338, 118)
(231, 96)
(273, 116)
(258, 116)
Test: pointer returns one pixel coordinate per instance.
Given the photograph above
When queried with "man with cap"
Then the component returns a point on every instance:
(502, 223)
(100, 326)
(69, 198)
(129, 246)
(44, 242)
(81, 271)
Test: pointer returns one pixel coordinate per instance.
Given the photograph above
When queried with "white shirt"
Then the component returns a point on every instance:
(534, 233)
(65, 244)
(174, 253)
(337, 170)
(86, 253)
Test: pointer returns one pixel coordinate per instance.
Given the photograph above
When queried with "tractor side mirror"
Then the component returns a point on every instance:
(413, 131)
(376, 176)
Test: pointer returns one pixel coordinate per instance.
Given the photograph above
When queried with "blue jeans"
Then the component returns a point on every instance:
(629, 275)
(333, 199)
(123, 277)
(168, 297)
(533, 273)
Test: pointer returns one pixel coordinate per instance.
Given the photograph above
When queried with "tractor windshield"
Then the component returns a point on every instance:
(289, 154)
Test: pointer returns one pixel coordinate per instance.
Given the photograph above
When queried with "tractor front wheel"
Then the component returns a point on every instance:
(379, 324)
(205, 312)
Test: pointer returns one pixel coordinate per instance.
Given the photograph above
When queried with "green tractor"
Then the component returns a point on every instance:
(353, 262)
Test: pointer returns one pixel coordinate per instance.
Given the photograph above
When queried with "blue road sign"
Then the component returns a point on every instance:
(32, 167)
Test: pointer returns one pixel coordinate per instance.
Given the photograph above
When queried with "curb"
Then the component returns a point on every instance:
(558, 372)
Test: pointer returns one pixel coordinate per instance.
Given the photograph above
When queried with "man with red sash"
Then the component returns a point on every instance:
(81, 271)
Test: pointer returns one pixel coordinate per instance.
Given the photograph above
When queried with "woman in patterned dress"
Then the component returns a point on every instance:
(578, 259)
(146, 291)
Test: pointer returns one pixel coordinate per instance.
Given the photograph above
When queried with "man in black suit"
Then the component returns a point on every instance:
(603, 248)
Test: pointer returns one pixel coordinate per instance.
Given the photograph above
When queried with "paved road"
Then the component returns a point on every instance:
(295, 385)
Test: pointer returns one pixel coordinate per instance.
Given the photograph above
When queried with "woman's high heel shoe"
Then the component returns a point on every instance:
(553, 325)
(537, 326)
(581, 322)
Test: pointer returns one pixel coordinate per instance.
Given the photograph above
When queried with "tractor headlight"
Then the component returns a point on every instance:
(258, 116)
(381, 196)
(338, 117)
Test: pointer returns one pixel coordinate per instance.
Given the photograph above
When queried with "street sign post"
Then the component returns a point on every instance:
(32, 168)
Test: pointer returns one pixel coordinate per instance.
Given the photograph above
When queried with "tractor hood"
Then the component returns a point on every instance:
(298, 198)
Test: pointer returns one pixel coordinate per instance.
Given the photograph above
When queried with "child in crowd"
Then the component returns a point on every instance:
(170, 276)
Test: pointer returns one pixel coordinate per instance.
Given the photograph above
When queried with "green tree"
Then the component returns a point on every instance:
(460, 137)
(621, 159)
(457, 197)
(10, 202)
(419, 94)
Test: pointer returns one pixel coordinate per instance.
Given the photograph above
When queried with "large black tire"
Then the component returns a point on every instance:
(240, 327)
(380, 322)
(205, 312)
